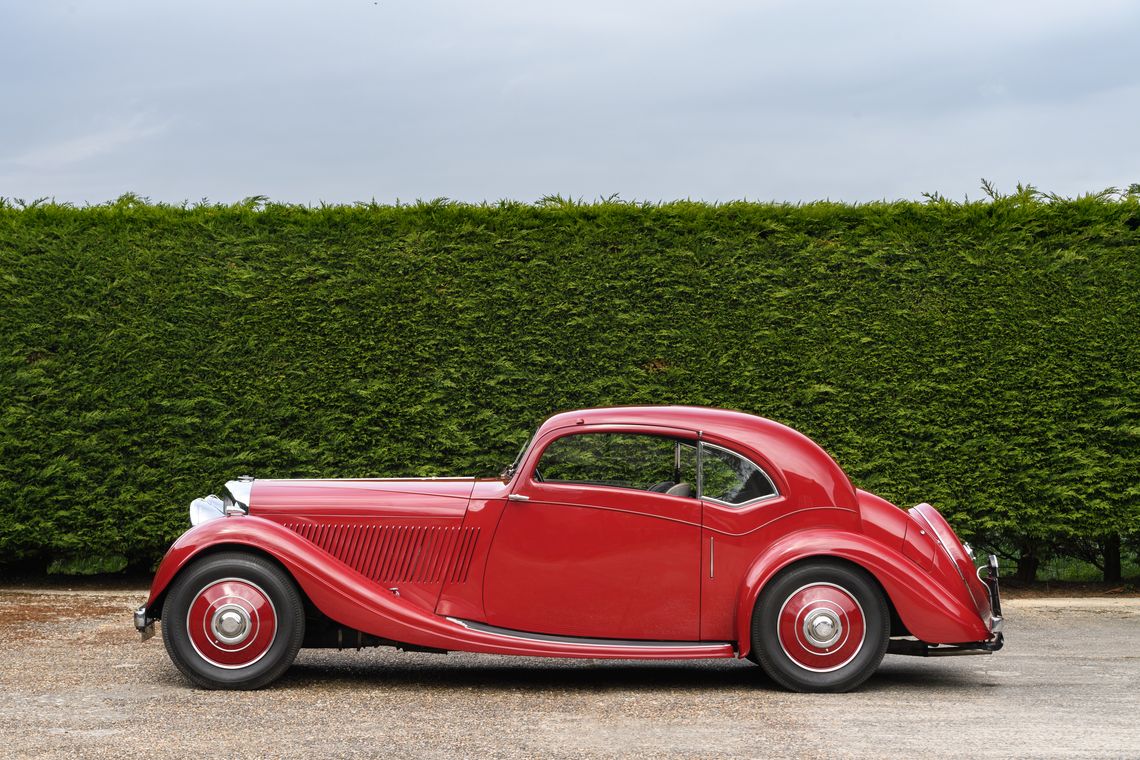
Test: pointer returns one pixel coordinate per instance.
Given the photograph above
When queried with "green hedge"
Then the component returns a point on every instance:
(982, 356)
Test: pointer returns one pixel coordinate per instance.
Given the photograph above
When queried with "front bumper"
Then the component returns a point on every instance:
(144, 623)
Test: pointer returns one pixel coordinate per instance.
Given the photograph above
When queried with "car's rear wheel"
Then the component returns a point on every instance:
(821, 626)
(233, 621)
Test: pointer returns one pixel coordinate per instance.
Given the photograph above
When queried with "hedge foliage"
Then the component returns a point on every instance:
(982, 356)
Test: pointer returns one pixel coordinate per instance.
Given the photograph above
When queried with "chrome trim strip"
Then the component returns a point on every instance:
(748, 503)
(509, 633)
(949, 556)
(700, 466)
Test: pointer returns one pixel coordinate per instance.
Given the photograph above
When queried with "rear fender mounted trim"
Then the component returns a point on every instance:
(946, 550)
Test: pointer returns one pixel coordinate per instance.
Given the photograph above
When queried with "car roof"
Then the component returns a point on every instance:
(800, 460)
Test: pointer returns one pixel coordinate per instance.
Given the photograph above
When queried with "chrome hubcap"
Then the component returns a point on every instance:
(231, 624)
(822, 627)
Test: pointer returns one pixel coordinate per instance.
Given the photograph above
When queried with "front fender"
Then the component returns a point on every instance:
(254, 532)
(930, 611)
(337, 590)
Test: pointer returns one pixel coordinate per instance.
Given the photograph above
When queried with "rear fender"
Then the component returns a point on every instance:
(928, 609)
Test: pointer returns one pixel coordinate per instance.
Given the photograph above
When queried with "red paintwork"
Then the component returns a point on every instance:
(402, 559)
(378, 527)
(407, 498)
(353, 600)
(595, 561)
(956, 566)
(930, 610)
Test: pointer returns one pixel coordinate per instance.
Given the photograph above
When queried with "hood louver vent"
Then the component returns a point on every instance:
(397, 553)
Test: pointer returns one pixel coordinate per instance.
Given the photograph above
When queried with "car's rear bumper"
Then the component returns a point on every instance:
(990, 579)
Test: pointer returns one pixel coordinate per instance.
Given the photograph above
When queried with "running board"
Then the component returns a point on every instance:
(663, 649)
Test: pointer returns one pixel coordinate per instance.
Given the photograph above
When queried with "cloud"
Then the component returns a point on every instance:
(350, 99)
(75, 150)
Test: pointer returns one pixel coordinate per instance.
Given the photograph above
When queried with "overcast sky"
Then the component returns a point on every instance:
(347, 100)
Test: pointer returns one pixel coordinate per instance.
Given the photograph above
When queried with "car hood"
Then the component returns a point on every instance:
(380, 497)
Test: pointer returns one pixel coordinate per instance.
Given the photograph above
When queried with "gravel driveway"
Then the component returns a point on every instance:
(76, 682)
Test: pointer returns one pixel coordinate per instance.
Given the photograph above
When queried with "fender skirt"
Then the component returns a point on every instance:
(931, 612)
(351, 599)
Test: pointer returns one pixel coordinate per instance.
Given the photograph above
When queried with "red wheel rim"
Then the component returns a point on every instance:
(232, 623)
(821, 627)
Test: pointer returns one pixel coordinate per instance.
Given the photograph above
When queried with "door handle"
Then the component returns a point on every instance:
(518, 497)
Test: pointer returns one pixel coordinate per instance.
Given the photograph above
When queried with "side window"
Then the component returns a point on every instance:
(731, 479)
(622, 460)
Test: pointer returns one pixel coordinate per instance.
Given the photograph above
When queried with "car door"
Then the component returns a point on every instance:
(600, 538)
(739, 496)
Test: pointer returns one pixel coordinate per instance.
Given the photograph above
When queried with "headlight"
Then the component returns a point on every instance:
(235, 502)
(239, 490)
(205, 509)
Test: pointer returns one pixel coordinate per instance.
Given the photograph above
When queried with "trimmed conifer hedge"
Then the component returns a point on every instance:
(982, 356)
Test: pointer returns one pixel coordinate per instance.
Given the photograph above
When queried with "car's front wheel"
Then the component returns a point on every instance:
(233, 621)
(821, 626)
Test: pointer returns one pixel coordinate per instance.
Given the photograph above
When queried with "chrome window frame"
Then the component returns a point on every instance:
(701, 478)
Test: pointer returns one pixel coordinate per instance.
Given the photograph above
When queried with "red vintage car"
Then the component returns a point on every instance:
(624, 533)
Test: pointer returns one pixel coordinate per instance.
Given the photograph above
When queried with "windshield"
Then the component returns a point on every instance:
(509, 471)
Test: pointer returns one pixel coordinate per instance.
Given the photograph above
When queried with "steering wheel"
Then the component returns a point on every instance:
(538, 476)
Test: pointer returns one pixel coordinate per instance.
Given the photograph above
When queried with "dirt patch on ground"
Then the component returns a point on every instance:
(29, 615)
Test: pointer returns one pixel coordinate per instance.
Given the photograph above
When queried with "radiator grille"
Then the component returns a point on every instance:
(397, 553)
